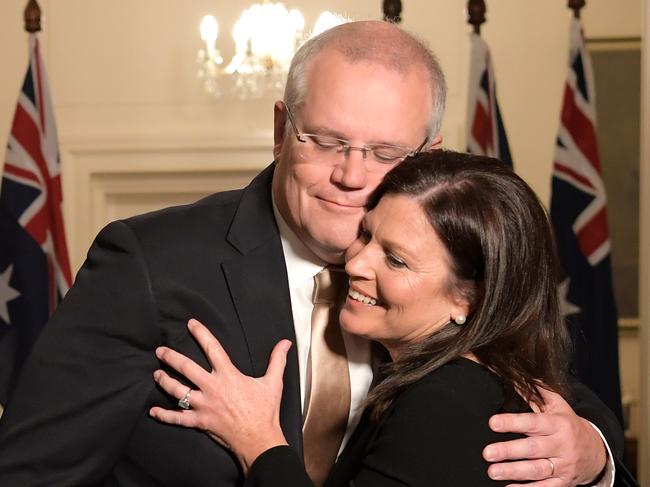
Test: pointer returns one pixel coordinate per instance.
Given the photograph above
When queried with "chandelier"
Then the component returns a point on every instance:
(266, 37)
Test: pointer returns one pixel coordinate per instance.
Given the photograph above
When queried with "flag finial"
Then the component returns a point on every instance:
(476, 14)
(576, 5)
(392, 11)
(32, 17)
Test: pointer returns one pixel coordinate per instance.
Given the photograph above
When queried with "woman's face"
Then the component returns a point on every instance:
(399, 274)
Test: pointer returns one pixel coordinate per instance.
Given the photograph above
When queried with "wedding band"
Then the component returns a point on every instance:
(184, 403)
(549, 461)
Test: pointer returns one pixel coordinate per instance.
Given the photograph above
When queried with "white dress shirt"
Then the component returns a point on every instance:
(302, 266)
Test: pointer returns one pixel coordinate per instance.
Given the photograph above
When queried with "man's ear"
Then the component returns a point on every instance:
(436, 143)
(279, 124)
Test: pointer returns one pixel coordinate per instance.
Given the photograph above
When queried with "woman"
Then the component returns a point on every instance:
(454, 273)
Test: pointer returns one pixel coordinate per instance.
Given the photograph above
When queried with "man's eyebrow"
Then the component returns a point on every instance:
(391, 143)
(323, 130)
(329, 131)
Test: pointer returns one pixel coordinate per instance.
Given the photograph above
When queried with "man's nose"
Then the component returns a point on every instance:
(352, 171)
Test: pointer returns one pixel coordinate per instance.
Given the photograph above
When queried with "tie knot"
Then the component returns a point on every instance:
(329, 284)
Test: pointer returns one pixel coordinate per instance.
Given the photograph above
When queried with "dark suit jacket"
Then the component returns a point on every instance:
(79, 414)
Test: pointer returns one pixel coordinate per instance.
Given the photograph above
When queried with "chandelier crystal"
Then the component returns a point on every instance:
(266, 37)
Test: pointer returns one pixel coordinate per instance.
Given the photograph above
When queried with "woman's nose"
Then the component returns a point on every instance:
(359, 260)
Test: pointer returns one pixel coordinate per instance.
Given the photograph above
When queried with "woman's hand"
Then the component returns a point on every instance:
(239, 412)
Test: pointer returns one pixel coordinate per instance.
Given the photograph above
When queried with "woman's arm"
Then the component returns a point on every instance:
(434, 434)
(242, 414)
(279, 466)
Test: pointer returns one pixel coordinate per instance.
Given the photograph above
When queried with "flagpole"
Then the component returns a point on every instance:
(476, 14)
(32, 17)
(644, 248)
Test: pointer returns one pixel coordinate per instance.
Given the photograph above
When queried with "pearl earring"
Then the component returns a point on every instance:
(460, 319)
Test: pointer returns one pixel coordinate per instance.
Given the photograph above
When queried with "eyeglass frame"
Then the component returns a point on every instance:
(345, 146)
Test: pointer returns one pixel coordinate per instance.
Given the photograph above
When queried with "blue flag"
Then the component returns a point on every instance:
(34, 266)
(579, 216)
(23, 298)
(486, 134)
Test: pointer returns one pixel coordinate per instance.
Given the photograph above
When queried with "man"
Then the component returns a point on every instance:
(79, 413)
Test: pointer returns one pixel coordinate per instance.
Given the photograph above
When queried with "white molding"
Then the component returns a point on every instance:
(629, 323)
(106, 178)
(194, 140)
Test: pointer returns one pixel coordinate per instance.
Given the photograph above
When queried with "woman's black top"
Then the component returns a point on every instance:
(433, 434)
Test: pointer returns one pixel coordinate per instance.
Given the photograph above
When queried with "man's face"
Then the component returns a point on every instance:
(364, 103)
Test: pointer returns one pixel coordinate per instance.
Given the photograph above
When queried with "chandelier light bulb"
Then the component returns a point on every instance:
(325, 21)
(209, 31)
(297, 21)
(266, 38)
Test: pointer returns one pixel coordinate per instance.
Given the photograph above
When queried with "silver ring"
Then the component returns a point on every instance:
(184, 403)
(549, 461)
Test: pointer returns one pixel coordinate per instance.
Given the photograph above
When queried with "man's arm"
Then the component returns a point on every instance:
(574, 447)
(88, 377)
(588, 406)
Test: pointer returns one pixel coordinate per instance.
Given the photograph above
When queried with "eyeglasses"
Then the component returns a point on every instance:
(333, 149)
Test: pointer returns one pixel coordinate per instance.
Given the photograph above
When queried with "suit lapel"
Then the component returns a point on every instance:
(257, 280)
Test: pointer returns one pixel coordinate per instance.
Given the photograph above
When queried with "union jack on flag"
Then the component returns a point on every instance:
(486, 134)
(34, 266)
(579, 216)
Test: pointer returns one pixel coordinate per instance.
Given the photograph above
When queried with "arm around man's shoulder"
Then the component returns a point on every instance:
(588, 406)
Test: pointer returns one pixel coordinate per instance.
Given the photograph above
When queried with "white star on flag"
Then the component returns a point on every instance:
(566, 307)
(7, 293)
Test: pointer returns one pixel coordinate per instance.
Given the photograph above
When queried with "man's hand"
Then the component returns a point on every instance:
(562, 449)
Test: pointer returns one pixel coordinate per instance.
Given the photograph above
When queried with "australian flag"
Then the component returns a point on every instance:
(486, 134)
(34, 265)
(579, 215)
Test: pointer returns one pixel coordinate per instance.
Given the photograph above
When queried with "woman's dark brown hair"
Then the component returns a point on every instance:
(503, 262)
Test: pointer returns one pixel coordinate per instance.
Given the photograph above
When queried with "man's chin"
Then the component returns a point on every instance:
(330, 251)
(332, 257)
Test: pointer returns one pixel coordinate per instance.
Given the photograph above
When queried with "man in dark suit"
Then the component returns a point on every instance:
(79, 413)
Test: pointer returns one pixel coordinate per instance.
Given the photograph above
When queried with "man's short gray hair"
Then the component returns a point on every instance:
(373, 41)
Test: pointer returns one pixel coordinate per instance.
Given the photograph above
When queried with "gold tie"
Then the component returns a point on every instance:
(329, 399)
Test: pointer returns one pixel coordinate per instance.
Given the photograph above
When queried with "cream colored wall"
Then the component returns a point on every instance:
(123, 74)
(137, 132)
